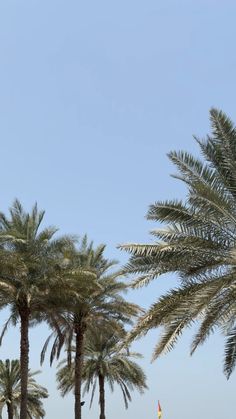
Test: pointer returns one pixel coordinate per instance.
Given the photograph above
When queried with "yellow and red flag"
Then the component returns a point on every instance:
(159, 411)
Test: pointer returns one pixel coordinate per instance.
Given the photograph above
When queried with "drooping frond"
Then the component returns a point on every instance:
(230, 352)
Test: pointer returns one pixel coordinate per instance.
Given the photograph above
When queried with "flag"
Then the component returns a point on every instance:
(159, 411)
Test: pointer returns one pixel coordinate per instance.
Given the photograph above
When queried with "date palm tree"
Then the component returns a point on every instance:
(198, 243)
(87, 300)
(104, 361)
(29, 267)
(10, 391)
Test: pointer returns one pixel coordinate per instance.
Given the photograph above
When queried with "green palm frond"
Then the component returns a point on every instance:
(230, 352)
(197, 243)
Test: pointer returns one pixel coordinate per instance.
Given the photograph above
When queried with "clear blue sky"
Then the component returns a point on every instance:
(93, 95)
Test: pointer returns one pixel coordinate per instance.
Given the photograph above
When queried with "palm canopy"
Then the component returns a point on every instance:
(104, 358)
(30, 261)
(198, 243)
(93, 292)
(10, 390)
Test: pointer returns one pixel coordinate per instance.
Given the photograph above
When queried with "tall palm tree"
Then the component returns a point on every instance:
(87, 301)
(29, 265)
(198, 243)
(104, 361)
(10, 391)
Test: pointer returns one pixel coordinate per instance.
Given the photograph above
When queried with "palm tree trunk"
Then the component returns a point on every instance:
(101, 396)
(24, 360)
(9, 410)
(79, 339)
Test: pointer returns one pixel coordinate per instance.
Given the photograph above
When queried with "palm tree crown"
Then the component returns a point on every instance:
(10, 391)
(198, 243)
(105, 361)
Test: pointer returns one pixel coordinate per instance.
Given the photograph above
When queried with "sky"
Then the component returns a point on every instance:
(93, 95)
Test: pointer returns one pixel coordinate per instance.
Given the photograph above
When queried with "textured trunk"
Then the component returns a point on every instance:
(101, 396)
(24, 361)
(9, 410)
(79, 339)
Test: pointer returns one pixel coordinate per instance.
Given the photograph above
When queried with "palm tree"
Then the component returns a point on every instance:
(29, 266)
(10, 391)
(199, 244)
(87, 300)
(104, 361)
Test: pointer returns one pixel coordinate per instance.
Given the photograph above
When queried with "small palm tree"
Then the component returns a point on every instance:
(93, 293)
(199, 244)
(10, 391)
(29, 266)
(104, 361)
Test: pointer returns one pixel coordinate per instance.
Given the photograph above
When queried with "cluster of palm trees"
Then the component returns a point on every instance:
(77, 292)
